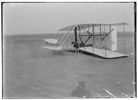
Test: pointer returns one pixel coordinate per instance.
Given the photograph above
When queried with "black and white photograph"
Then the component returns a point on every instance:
(65, 50)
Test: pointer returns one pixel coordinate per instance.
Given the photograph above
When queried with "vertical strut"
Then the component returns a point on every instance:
(78, 39)
(84, 38)
(67, 40)
(100, 32)
(124, 38)
(105, 43)
(88, 27)
(110, 37)
(93, 37)
(75, 31)
(76, 44)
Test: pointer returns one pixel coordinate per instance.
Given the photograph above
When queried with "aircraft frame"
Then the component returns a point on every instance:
(87, 39)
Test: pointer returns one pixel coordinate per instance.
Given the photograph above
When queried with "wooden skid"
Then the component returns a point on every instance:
(103, 53)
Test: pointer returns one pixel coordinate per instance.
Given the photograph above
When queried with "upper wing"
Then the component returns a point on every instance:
(83, 26)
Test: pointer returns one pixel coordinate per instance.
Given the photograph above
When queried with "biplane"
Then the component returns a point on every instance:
(97, 39)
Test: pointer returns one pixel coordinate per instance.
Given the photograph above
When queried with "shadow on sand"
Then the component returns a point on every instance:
(80, 91)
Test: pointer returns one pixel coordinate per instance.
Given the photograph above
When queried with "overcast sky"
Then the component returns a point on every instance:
(26, 18)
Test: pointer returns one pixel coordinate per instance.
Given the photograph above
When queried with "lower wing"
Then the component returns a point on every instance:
(52, 48)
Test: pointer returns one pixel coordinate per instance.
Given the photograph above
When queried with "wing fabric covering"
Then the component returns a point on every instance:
(51, 41)
(84, 26)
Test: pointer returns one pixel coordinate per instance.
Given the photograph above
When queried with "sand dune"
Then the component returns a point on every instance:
(30, 72)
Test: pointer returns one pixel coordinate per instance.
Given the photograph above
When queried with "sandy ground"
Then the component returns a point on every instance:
(30, 72)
